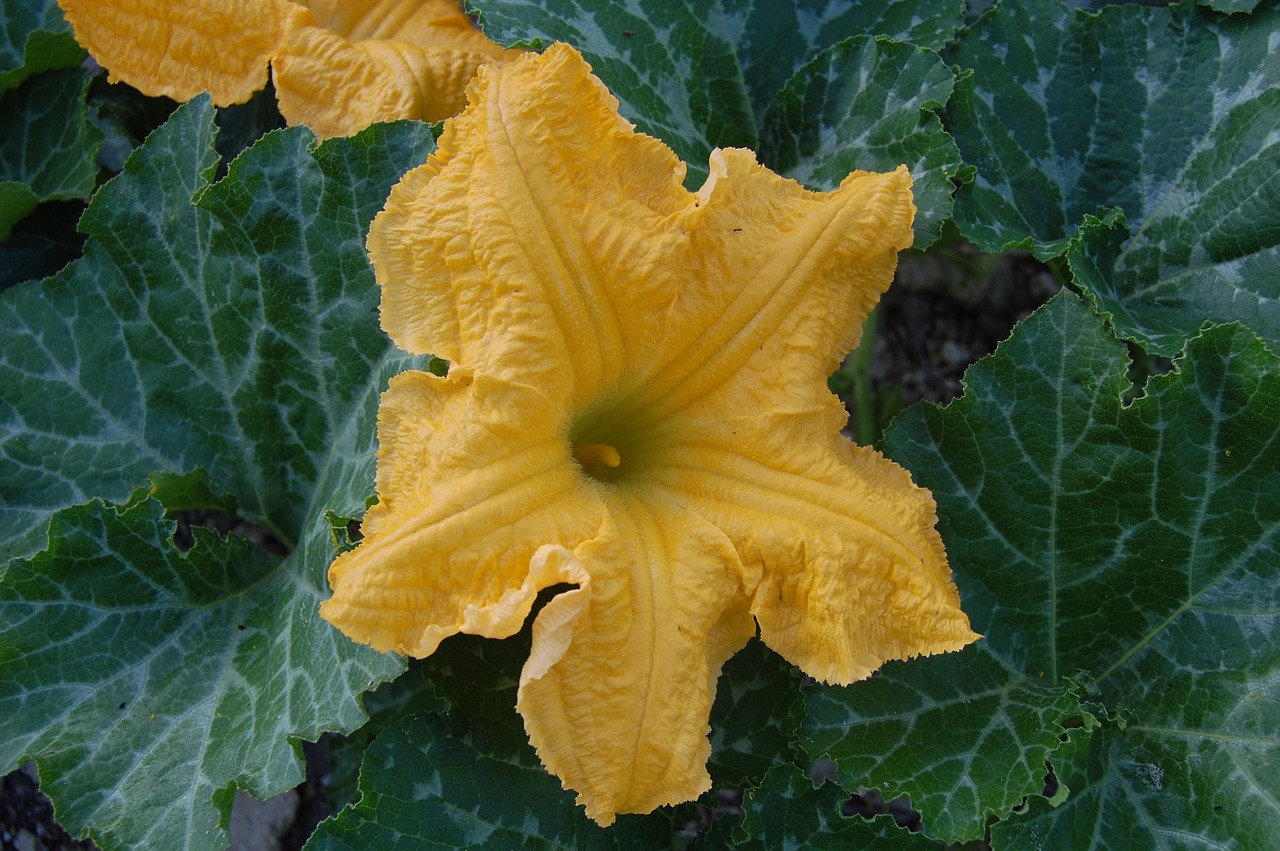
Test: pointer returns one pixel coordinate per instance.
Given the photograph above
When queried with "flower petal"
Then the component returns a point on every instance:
(620, 680)
(339, 66)
(775, 266)
(473, 477)
(179, 48)
(406, 20)
(379, 61)
(840, 547)
(541, 231)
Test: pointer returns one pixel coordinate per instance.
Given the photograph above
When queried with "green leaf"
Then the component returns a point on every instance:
(471, 779)
(1231, 6)
(34, 37)
(17, 200)
(673, 67)
(779, 37)
(1136, 544)
(702, 75)
(145, 681)
(483, 747)
(234, 334)
(1115, 768)
(1165, 113)
(1001, 726)
(48, 148)
(786, 811)
(754, 717)
(409, 694)
(868, 103)
(237, 334)
(975, 9)
(188, 492)
(1095, 5)
(51, 148)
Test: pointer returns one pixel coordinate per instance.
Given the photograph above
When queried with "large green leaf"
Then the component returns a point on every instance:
(49, 148)
(234, 334)
(868, 103)
(471, 779)
(1095, 5)
(1136, 544)
(1164, 113)
(34, 37)
(775, 38)
(146, 681)
(702, 75)
(237, 334)
(1000, 724)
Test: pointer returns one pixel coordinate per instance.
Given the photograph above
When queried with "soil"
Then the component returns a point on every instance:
(947, 309)
(26, 817)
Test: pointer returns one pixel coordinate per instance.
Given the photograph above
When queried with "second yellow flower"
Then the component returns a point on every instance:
(337, 66)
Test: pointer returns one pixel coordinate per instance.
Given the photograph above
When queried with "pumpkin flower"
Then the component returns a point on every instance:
(637, 406)
(338, 65)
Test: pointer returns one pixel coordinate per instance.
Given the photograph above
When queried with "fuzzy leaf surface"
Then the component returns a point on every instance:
(144, 681)
(1001, 726)
(235, 334)
(409, 694)
(1164, 113)
(1231, 6)
(868, 103)
(702, 75)
(1136, 544)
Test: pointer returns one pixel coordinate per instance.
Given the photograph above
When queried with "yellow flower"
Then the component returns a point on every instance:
(339, 65)
(637, 405)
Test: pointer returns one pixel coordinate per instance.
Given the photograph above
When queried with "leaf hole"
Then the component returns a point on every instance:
(1142, 368)
(224, 523)
(869, 803)
(1051, 784)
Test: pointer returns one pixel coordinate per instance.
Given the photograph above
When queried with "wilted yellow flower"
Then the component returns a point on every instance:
(637, 405)
(339, 65)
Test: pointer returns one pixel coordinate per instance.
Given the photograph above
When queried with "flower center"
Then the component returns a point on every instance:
(599, 460)
(606, 444)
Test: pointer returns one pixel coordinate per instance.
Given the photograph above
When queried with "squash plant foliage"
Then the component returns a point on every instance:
(202, 340)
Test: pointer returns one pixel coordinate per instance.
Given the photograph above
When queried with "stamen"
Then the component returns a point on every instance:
(597, 458)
